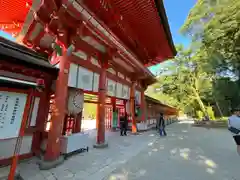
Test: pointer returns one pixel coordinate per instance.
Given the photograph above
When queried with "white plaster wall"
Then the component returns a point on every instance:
(72, 78)
(7, 146)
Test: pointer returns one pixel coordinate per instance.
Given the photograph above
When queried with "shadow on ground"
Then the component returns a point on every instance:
(187, 153)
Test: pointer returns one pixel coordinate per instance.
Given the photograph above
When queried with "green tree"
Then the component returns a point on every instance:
(216, 25)
(186, 80)
(226, 94)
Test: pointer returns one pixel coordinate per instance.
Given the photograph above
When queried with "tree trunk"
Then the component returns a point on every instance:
(219, 109)
(199, 101)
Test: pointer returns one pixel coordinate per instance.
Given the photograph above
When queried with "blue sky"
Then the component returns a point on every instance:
(3, 34)
(177, 11)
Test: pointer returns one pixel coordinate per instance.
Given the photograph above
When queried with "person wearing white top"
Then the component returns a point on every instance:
(234, 127)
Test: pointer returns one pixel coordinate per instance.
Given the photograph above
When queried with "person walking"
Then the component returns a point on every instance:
(123, 125)
(162, 125)
(234, 127)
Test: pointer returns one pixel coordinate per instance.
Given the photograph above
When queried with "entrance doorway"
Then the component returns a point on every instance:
(89, 112)
(121, 109)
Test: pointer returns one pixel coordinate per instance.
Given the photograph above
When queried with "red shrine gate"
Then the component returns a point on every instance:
(94, 53)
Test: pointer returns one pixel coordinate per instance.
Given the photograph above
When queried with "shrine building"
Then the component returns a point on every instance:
(84, 52)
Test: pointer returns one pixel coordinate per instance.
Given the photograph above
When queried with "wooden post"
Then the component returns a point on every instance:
(113, 101)
(58, 115)
(100, 120)
(132, 107)
(42, 115)
(11, 175)
(78, 123)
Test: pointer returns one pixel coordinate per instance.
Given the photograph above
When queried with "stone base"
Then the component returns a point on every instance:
(46, 165)
(100, 146)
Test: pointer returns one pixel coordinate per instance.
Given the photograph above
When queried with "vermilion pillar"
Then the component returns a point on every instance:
(100, 120)
(132, 107)
(78, 123)
(57, 120)
(41, 117)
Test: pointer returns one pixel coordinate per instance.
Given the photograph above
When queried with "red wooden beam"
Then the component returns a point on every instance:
(5, 65)
(84, 46)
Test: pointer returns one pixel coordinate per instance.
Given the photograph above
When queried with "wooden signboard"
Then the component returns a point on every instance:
(11, 113)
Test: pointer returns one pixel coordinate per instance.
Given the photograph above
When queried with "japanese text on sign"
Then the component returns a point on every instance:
(11, 112)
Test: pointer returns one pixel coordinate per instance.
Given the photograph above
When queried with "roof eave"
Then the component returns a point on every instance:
(22, 55)
(164, 20)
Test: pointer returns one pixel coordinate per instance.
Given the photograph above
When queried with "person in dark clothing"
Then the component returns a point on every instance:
(123, 125)
(162, 125)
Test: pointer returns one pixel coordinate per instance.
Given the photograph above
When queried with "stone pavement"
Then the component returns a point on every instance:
(188, 153)
(93, 165)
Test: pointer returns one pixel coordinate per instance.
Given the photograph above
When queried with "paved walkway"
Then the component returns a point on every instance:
(188, 153)
(92, 165)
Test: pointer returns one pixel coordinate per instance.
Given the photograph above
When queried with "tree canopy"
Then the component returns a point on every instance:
(215, 24)
(207, 73)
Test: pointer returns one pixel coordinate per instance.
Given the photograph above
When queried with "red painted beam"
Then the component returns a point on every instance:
(84, 46)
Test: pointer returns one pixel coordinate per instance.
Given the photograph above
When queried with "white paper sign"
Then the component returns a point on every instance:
(125, 93)
(111, 87)
(72, 78)
(11, 113)
(35, 112)
(128, 110)
(95, 82)
(138, 97)
(85, 79)
(119, 90)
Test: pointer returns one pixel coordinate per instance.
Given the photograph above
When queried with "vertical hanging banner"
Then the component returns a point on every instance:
(128, 110)
(111, 87)
(119, 90)
(137, 97)
(11, 113)
(95, 82)
(115, 119)
(85, 79)
(125, 92)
